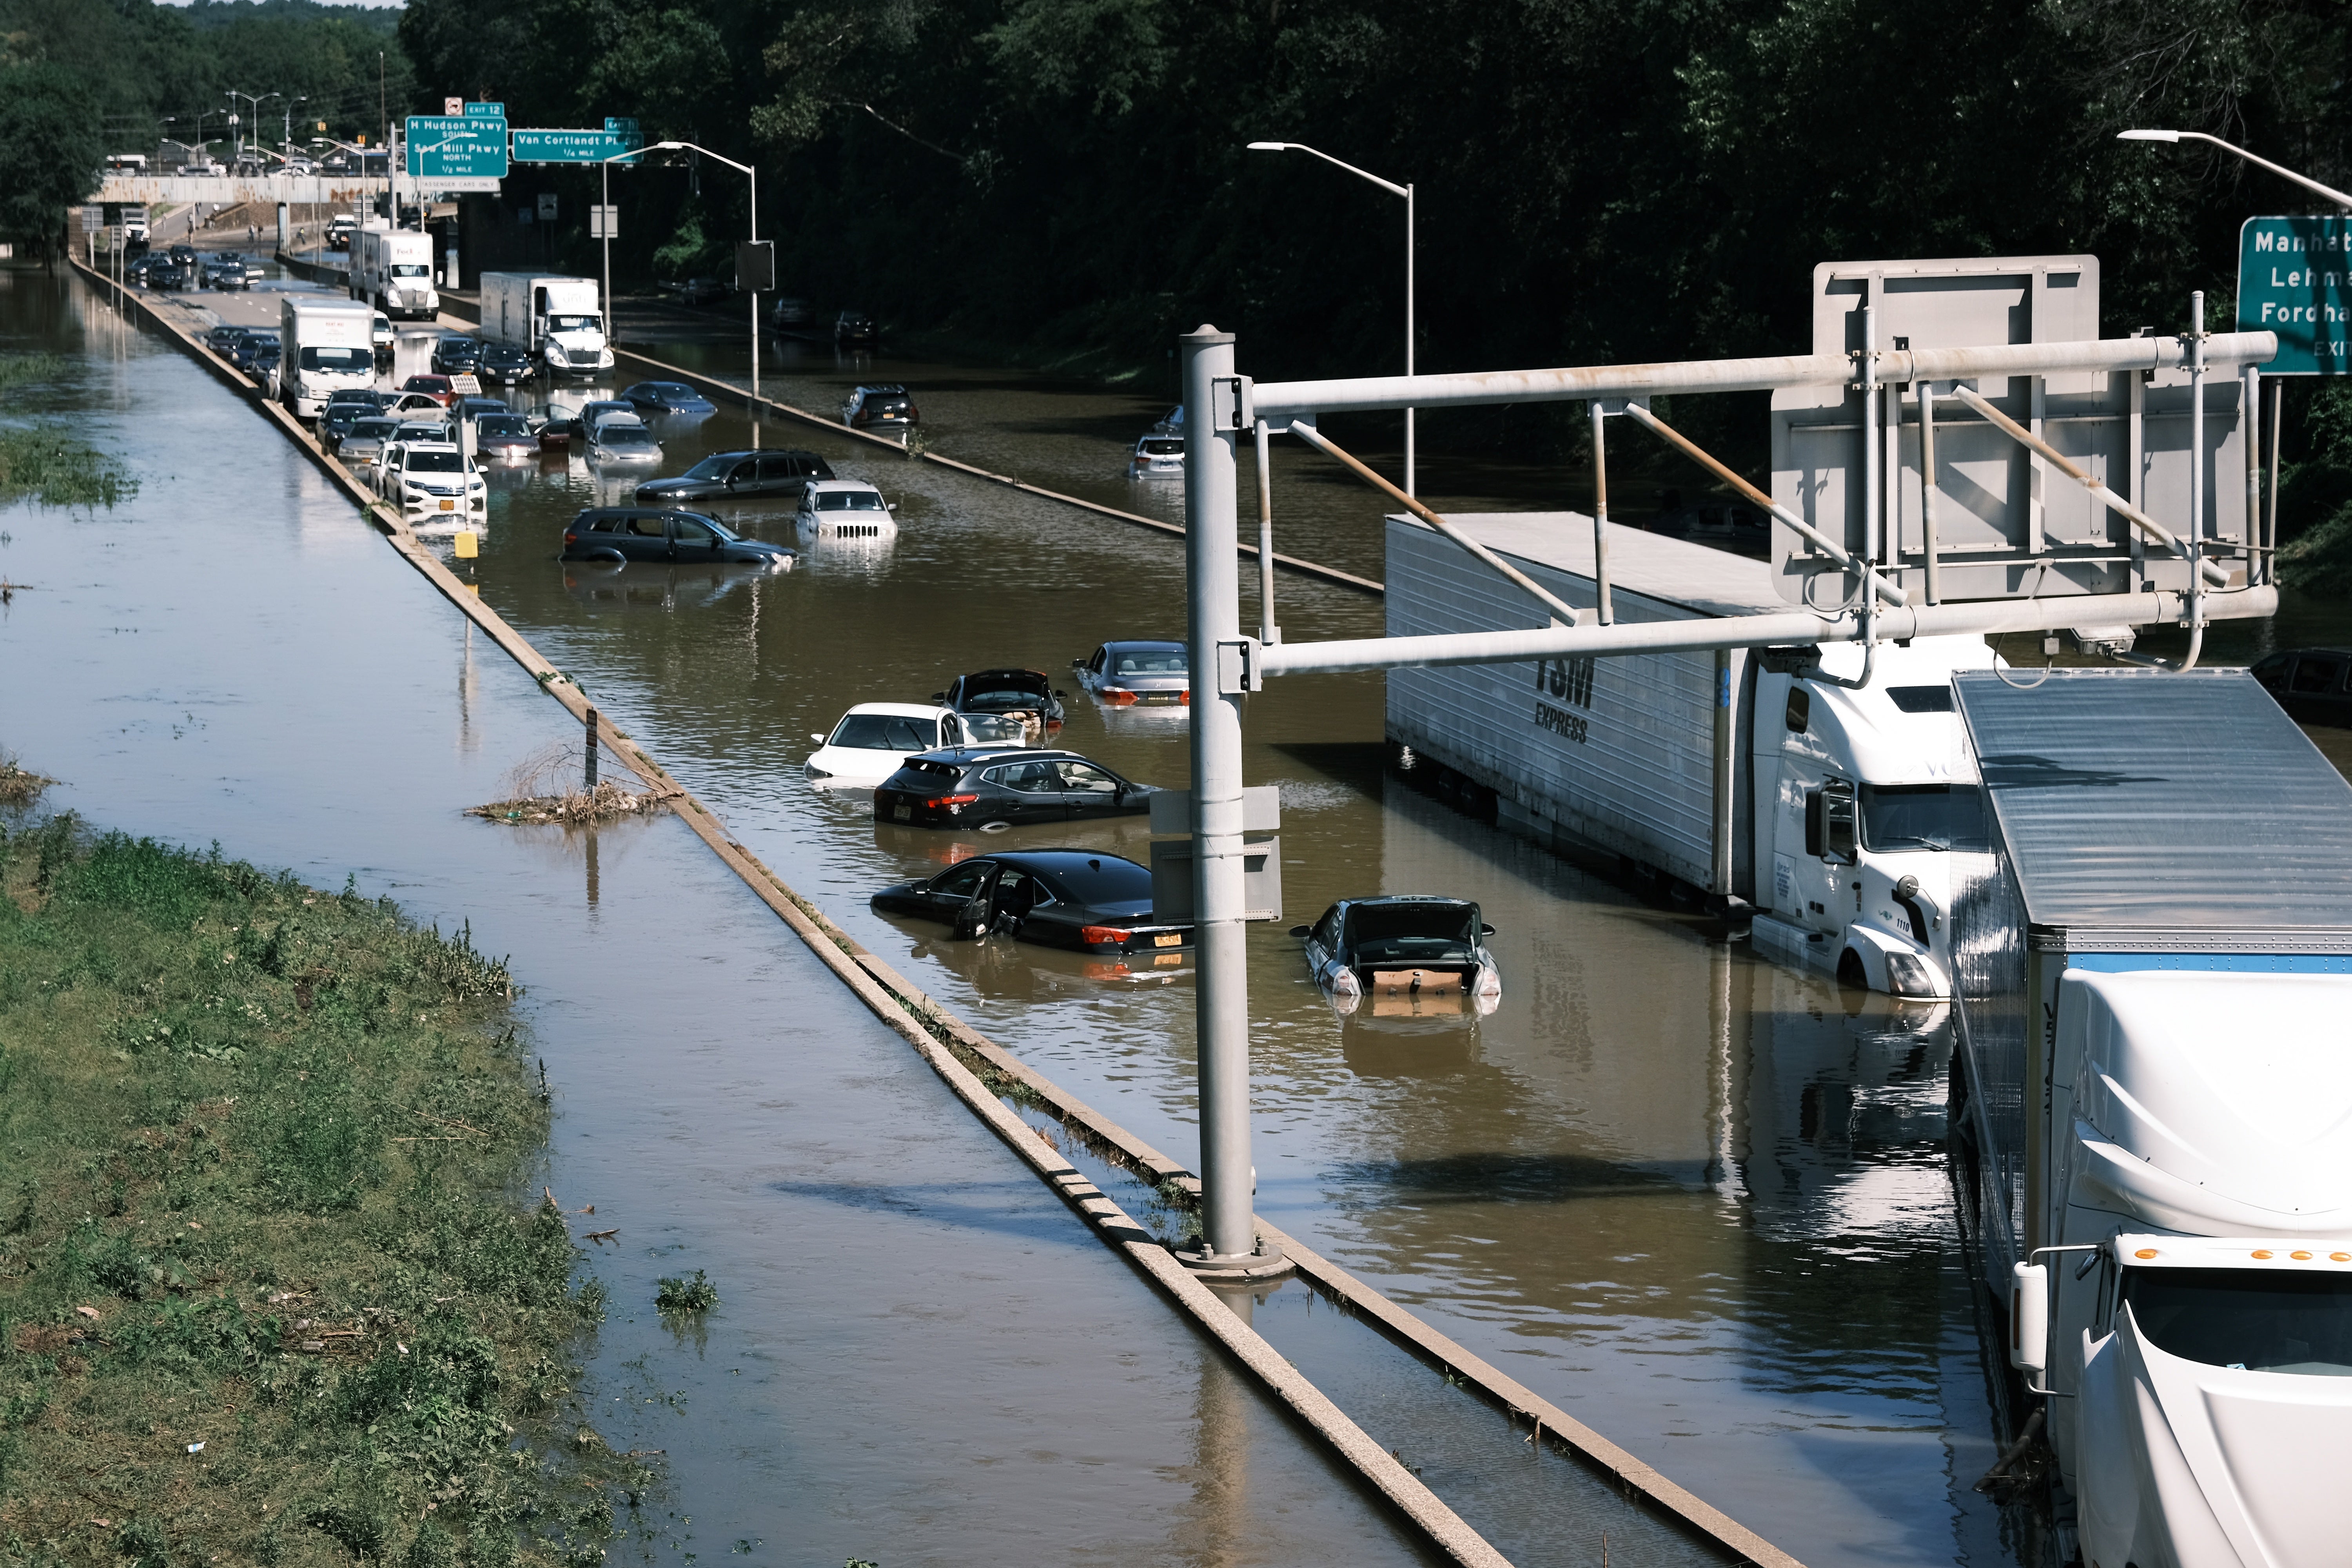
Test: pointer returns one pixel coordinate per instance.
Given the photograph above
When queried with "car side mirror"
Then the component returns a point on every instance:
(1486, 931)
(1059, 692)
(817, 738)
(939, 696)
(1302, 932)
(1077, 664)
(2029, 1318)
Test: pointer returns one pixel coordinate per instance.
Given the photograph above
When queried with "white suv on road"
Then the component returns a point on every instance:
(430, 476)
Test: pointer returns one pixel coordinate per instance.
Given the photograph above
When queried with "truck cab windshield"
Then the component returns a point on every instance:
(354, 360)
(408, 270)
(2292, 1321)
(1922, 817)
(573, 323)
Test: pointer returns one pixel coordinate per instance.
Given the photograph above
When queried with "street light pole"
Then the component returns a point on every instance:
(1406, 191)
(2332, 194)
(754, 174)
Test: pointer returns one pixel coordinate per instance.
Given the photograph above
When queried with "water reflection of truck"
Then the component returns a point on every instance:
(1823, 797)
(556, 320)
(2155, 971)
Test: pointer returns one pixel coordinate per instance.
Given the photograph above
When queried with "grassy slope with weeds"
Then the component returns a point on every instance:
(45, 460)
(259, 1153)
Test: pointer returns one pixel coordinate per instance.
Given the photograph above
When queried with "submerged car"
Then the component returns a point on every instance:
(1059, 898)
(1001, 786)
(1158, 457)
(365, 441)
(1027, 695)
(435, 387)
(790, 315)
(430, 476)
(1410, 952)
(874, 740)
(1125, 673)
(666, 397)
(614, 441)
(739, 476)
(884, 407)
(2310, 683)
(505, 437)
(628, 534)
(455, 354)
(854, 328)
(504, 365)
(843, 509)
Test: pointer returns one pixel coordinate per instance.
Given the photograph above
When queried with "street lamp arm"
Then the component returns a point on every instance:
(1390, 186)
(692, 147)
(2332, 194)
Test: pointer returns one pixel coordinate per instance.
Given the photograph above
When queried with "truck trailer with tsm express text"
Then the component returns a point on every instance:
(556, 320)
(2153, 1098)
(1823, 794)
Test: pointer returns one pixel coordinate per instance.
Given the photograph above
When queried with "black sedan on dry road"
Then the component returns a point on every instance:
(1060, 898)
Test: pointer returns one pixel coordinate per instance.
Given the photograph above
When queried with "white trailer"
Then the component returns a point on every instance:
(557, 320)
(328, 344)
(1772, 781)
(392, 268)
(2155, 1104)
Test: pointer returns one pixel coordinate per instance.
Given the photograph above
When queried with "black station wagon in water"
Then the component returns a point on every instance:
(997, 786)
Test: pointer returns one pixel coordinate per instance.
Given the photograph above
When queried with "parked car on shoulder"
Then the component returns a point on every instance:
(1027, 695)
(364, 442)
(505, 365)
(666, 397)
(504, 437)
(1130, 672)
(738, 476)
(2310, 683)
(881, 407)
(1058, 898)
(993, 786)
(430, 476)
(1158, 457)
(1409, 952)
(854, 329)
(843, 509)
(618, 439)
(873, 739)
(669, 536)
(435, 387)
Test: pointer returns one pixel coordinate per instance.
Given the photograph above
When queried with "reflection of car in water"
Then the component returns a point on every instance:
(875, 739)
(609, 587)
(1058, 898)
(1411, 953)
(1027, 695)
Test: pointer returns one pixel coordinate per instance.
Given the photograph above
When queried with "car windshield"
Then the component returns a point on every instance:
(2252, 1320)
(376, 429)
(717, 467)
(1413, 933)
(1108, 880)
(426, 383)
(408, 270)
(436, 462)
(624, 435)
(670, 390)
(1922, 817)
(1168, 662)
(885, 732)
(501, 425)
(850, 500)
(352, 359)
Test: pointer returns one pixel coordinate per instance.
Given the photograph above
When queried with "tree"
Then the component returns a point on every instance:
(52, 154)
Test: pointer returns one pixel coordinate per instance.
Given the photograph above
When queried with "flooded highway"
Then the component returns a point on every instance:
(1697, 1199)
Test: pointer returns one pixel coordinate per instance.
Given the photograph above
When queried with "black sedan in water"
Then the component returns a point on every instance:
(504, 365)
(988, 786)
(738, 476)
(1061, 897)
(668, 397)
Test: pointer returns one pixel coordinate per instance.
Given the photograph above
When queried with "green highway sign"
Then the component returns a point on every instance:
(463, 147)
(485, 111)
(577, 146)
(2294, 279)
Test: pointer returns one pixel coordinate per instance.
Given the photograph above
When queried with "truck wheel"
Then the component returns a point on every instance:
(1850, 971)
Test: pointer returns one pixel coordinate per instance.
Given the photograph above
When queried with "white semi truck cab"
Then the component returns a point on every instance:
(2154, 1009)
(557, 319)
(393, 270)
(329, 345)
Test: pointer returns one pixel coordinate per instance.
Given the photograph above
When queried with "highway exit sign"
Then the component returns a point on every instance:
(2294, 279)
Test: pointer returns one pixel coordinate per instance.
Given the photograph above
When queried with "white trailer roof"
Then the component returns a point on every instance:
(1709, 582)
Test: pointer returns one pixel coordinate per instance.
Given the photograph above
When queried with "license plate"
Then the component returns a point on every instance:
(902, 814)
(1173, 939)
(1166, 958)
(448, 506)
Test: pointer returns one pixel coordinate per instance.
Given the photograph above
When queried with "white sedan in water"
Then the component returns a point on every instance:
(873, 738)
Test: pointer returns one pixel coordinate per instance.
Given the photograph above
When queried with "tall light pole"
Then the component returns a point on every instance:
(690, 147)
(604, 168)
(255, 98)
(1393, 189)
(2332, 194)
(285, 144)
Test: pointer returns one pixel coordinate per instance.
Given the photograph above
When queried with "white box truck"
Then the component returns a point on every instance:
(328, 344)
(556, 320)
(1765, 780)
(2153, 1109)
(392, 268)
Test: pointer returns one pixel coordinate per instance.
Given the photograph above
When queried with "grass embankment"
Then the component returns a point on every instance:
(268, 1291)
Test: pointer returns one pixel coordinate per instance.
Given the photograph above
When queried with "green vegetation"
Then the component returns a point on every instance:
(45, 462)
(678, 1294)
(268, 1292)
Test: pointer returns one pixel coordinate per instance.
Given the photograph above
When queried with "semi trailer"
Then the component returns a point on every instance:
(2154, 1104)
(1820, 791)
(556, 320)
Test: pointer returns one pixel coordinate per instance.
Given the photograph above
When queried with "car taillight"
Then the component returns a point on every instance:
(940, 800)
(570, 537)
(1185, 697)
(1119, 698)
(1092, 935)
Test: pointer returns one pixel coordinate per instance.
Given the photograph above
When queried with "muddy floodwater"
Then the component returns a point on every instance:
(1698, 1200)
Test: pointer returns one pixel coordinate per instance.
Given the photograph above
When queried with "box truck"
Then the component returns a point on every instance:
(1821, 796)
(328, 344)
(556, 320)
(392, 268)
(2154, 1104)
